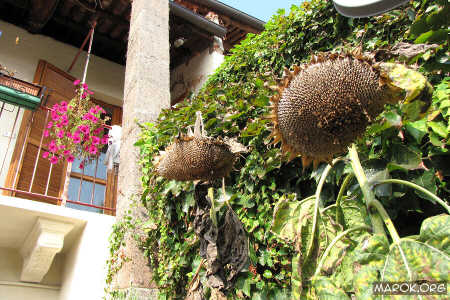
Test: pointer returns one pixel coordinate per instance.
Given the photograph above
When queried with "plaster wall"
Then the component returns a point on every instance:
(12, 289)
(84, 270)
(191, 76)
(20, 53)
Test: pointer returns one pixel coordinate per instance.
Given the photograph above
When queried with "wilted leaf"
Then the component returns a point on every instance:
(412, 82)
(288, 216)
(419, 261)
(369, 260)
(435, 231)
(325, 289)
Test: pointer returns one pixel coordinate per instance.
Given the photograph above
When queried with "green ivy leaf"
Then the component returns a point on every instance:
(403, 158)
(267, 274)
(428, 181)
(439, 128)
(432, 36)
(417, 130)
(393, 119)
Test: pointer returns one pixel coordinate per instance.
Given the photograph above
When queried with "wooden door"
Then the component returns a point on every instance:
(27, 164)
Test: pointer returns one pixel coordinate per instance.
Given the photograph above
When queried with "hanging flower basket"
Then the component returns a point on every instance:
(76, 129)
(20, 93)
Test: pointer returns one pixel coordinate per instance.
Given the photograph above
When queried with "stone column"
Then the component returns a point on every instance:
(147, 91)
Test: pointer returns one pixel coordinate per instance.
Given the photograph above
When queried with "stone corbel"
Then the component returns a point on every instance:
(40, 247)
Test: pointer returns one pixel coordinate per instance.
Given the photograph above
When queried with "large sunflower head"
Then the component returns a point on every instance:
(323, 106)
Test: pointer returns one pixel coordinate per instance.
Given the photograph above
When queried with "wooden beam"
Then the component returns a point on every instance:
(18, 3)
(40, 13)
(113, 45)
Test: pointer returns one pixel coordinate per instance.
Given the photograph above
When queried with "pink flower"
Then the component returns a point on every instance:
(94, 119)
(65, 122)
(89, 92)
(61, 134)
(71, 158)
(68, 134)
(50, 124)
(63, 103)
(86, 138)
(95, 140)
(77, 82)
(98, 131)
(46, 133)
(87, 116)
(84, 129)
(85, 86)
(45, 154)
(62, 109)
(52, 146)
(93, 110)
(105, 139)
(59, 125)
(54, 160)
(81, 166)
(60, 147)
(55, 116)
(76, 139)
(66, 152)
(93, 150)
(83, 96)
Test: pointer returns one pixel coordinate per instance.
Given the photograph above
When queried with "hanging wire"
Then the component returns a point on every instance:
(88, 57)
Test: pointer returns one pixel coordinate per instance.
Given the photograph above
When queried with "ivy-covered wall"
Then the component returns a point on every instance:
(408, 141)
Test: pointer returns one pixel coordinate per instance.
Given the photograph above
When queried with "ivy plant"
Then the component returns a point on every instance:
(409, 141)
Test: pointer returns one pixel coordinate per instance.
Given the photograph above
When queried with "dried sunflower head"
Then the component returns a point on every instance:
(198, 157)
(325, 105)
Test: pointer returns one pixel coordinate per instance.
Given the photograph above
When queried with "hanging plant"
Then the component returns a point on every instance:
(76, 129)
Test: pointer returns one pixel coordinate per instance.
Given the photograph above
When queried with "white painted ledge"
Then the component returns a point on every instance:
(40, 247)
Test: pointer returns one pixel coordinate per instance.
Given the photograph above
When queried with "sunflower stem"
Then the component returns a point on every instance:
(323, 177)
(386, 219)
(339, 213)
(369, 196)
(419, 188)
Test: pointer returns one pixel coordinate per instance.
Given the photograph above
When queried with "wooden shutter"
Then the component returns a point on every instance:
(59, 87)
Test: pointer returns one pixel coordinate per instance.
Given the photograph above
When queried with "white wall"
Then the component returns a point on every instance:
(84, 271)
(193, 75)
(104, 77)
(78, 271)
